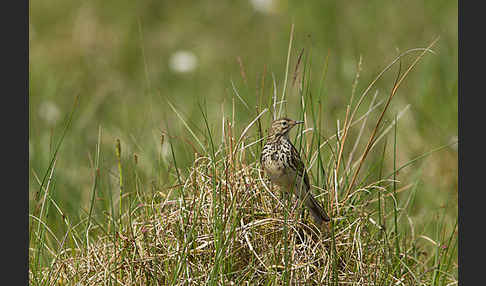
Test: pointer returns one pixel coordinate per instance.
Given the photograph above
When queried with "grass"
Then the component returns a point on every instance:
(154, 219)
(173, 203)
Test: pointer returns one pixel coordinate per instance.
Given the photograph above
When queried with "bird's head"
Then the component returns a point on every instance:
(282, 126)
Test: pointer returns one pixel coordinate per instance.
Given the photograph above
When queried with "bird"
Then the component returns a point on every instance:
(284, 167)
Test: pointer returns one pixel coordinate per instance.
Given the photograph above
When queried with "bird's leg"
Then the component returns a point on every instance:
(299, 205)
(298, 201)
(288, 196)
(302, 213)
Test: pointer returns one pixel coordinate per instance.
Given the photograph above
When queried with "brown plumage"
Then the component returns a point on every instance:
(284, 167)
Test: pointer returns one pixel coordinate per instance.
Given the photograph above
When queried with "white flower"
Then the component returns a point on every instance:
(49, 111)
(183, 61)
(264, 6)
(454, 142)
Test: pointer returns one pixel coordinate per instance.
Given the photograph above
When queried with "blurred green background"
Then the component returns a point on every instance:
(128, 59)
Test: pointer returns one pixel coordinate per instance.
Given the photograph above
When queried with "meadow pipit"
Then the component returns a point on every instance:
(284, 167)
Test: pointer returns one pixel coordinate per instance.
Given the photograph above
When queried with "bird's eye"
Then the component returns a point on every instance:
(284, 123)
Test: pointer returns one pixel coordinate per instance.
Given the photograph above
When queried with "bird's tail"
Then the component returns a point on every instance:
(318, 214)
(316, 210)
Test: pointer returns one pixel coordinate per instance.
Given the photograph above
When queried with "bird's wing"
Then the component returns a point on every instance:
(298, 165)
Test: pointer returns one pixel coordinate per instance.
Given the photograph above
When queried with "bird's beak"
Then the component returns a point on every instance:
(298, 122)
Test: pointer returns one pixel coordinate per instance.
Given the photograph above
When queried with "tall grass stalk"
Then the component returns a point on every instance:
(41, 209)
